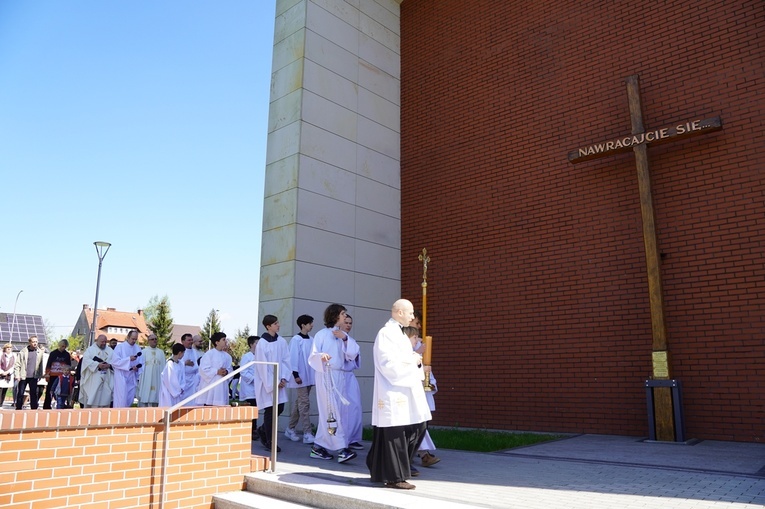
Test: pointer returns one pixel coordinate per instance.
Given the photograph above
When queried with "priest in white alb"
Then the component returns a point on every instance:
(96, 375)
(153, 360)
(127, 368)
(190, 363)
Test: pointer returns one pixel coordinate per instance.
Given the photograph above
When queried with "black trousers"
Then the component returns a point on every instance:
(390, 457)
(254, 402)
(49, 390)
(268, 416)
(34, 394)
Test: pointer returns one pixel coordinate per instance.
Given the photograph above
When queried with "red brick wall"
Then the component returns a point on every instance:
(537, 296)
(113, 458)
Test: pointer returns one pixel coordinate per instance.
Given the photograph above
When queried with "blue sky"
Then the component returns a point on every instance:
(143, 124)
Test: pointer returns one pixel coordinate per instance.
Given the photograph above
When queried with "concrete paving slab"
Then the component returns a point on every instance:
(705, 455)
(587, 471)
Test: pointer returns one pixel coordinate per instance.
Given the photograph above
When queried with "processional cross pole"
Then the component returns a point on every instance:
(426, 356)
(638, 142)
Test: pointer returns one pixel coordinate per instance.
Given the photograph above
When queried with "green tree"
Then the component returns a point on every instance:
(50, 334)
(211, 326)
(238, 344)
(150, 309)
(75, 343)
(162, 325)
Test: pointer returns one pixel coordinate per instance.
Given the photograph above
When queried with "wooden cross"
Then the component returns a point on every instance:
(638, 141)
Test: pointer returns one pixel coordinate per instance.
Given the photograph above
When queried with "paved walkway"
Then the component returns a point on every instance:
(585, 471)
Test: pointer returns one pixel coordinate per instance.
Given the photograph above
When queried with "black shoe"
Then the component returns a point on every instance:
(402, 485)
(346, 455)
(320, 453)
(262, 437)
(267, 445)
(414, 471)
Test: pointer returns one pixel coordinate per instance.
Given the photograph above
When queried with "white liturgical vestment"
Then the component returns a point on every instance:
(398, 396)
(211, 362)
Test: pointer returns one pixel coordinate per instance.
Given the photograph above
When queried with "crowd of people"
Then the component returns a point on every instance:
(119, 374)
(400, 410)
(109, 374)
(34, 372)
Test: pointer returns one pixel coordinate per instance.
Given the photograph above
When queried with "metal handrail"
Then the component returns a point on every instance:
(169, 411)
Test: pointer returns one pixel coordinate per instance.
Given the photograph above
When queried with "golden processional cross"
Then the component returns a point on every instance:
(426, 357)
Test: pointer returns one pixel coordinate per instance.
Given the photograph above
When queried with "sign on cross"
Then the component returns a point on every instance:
(637, 141)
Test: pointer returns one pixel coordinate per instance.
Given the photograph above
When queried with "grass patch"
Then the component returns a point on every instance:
(478, 440)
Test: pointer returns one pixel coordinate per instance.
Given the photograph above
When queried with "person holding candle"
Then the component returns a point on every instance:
(428, 459)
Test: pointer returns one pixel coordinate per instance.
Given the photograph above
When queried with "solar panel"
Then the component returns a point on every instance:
(23, 327)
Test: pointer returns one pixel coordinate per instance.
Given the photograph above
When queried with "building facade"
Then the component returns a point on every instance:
(112, 323)
(538, 286)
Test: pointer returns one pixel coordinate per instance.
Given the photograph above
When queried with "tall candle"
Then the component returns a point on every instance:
(426, 355)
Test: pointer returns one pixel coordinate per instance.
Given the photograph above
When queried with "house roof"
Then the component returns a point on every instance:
(110, 317)
(179, 330)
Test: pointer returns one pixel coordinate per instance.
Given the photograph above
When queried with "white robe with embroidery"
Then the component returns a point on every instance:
(96, 387)
(125, 381)
(211, 362)
(153, 360)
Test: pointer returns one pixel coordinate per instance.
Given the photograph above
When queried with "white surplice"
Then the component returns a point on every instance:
(173, 381)
(271, 351)
(248, 378)
(211, 362)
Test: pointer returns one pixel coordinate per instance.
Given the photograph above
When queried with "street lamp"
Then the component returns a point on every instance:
(13, 322)
(101, 249)
(209, 335)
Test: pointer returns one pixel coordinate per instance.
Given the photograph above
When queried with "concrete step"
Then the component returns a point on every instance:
(315, 490)
(323, 490)
(250, 500)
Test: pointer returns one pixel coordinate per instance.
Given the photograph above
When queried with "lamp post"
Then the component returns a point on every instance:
(209, 335)
(13, 322)
(101, 249)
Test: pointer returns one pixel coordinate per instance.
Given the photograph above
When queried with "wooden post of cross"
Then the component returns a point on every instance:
(638, 142)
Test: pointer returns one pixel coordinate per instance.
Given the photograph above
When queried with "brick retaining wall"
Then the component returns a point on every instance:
(113, 458)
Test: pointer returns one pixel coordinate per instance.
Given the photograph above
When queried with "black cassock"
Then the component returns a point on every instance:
(390, 457)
